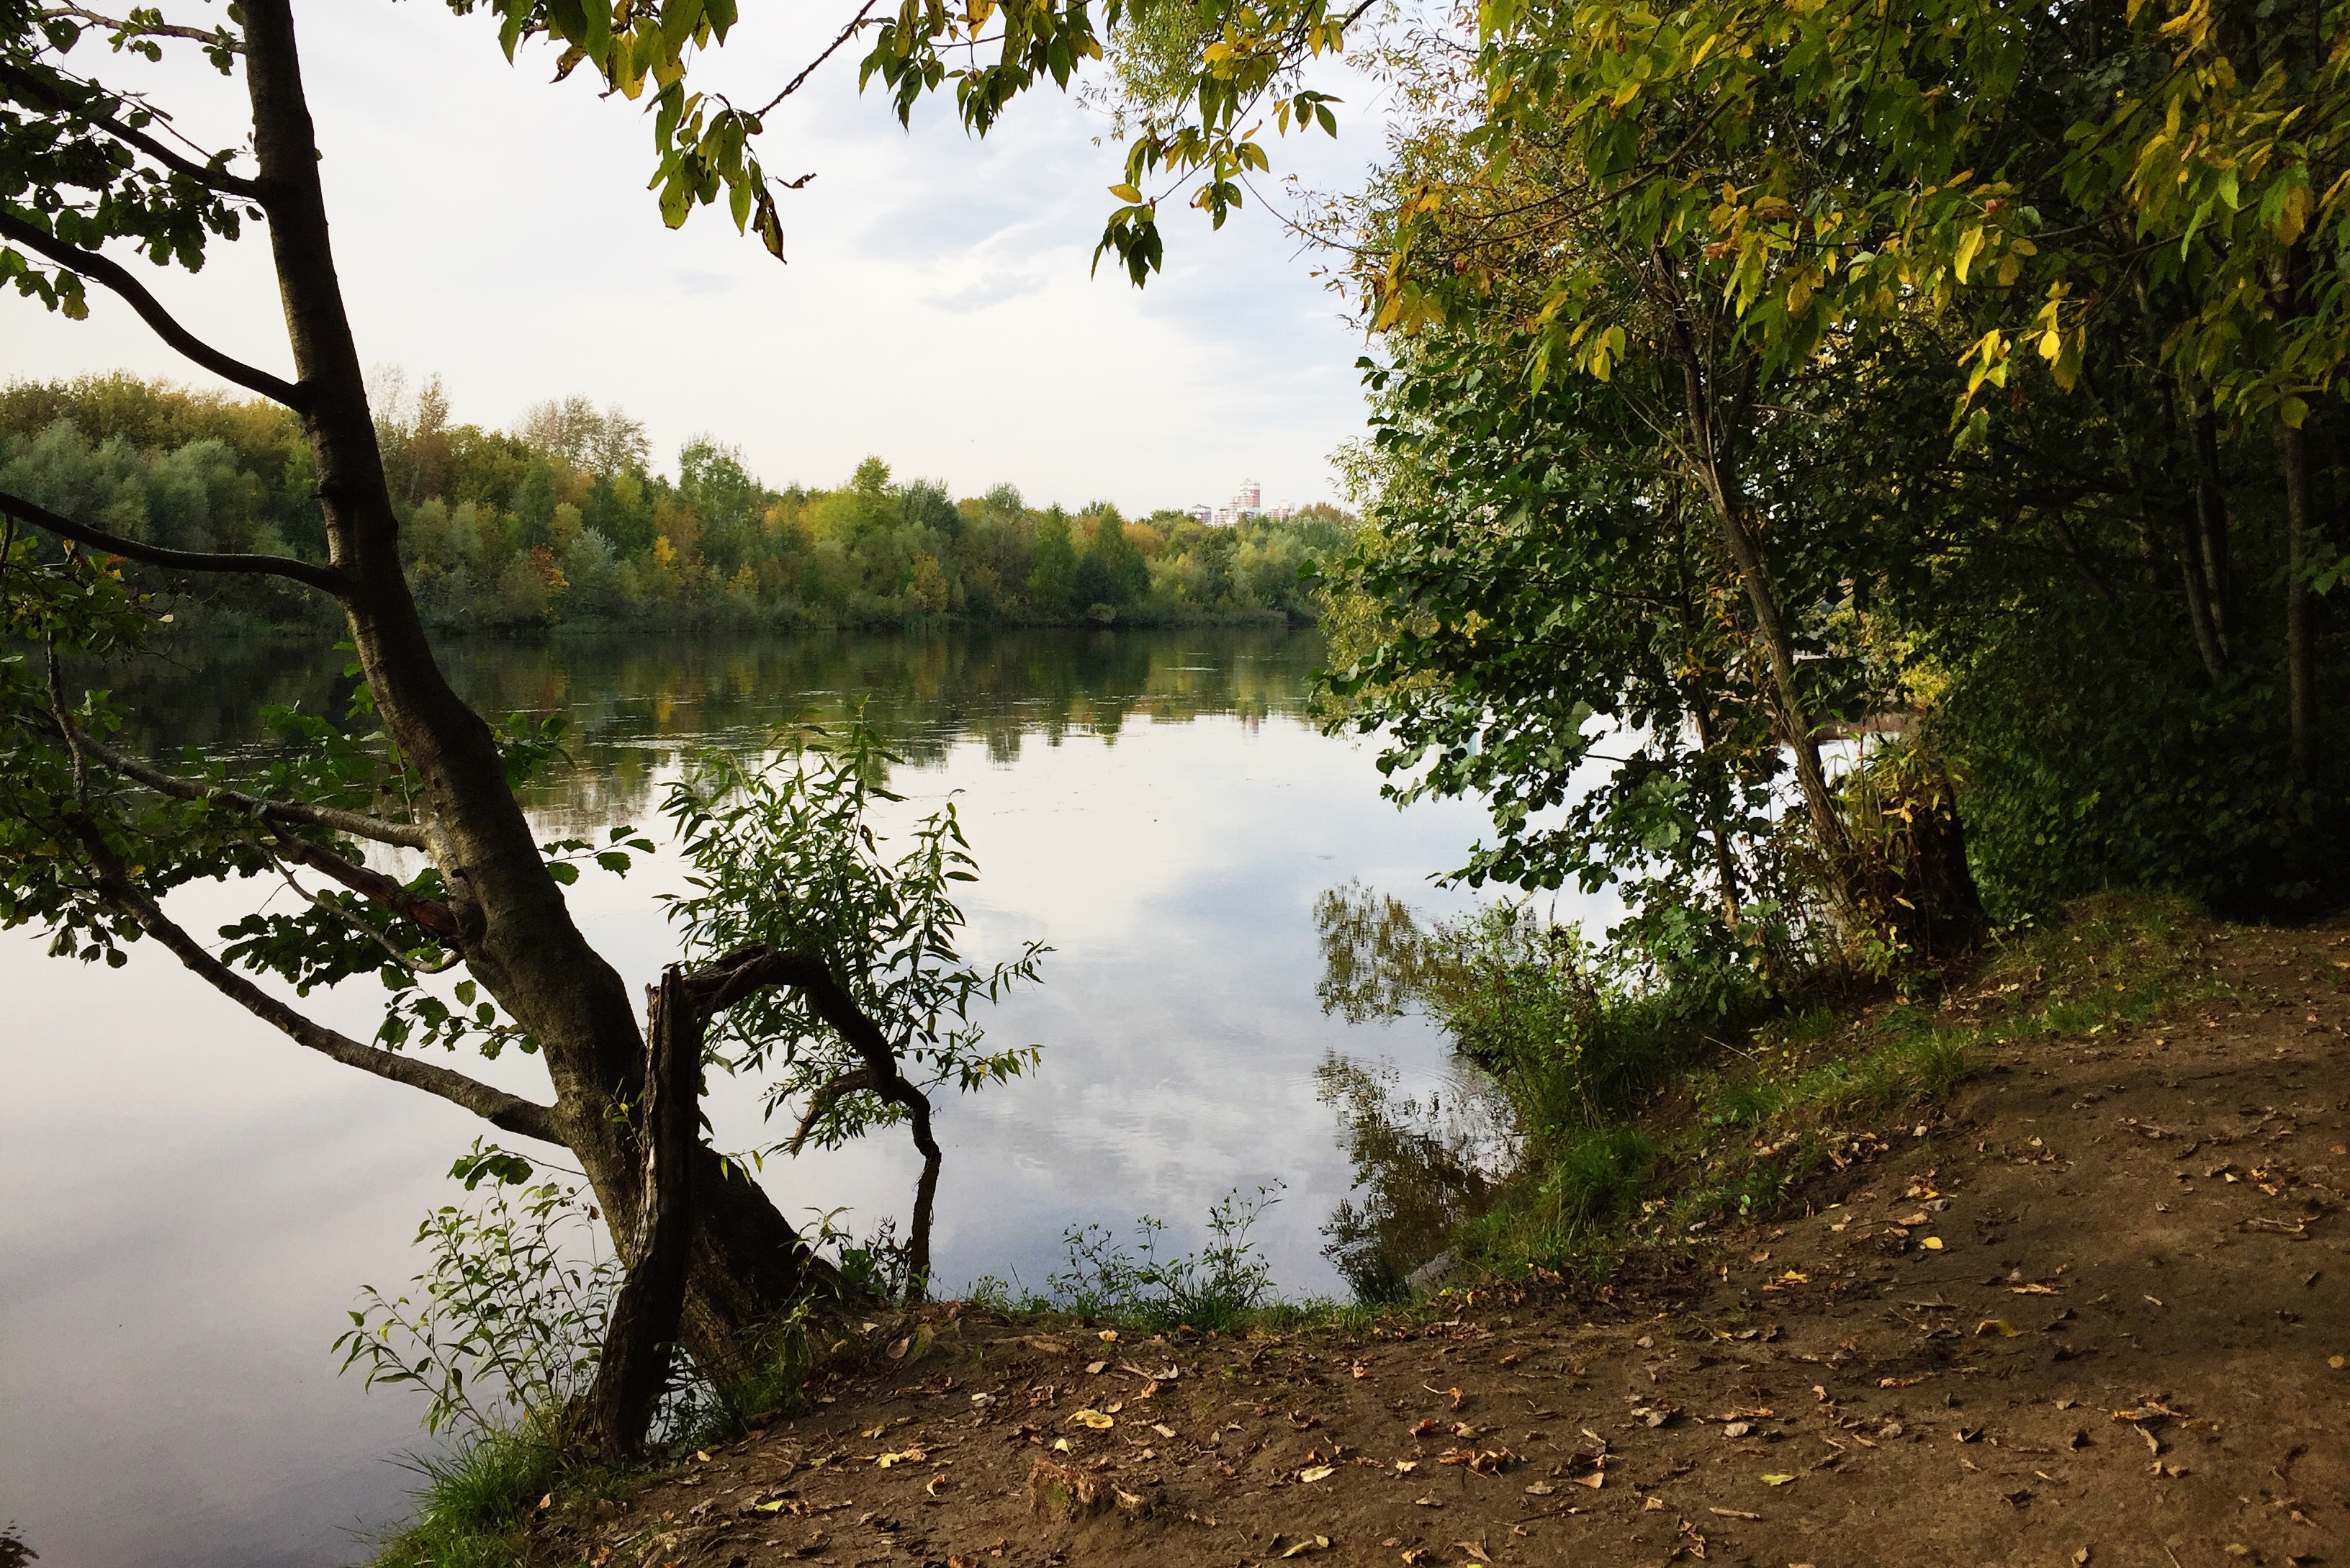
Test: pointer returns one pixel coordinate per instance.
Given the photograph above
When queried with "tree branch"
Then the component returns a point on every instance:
(512, 1112)
(221, 180)
(793, 86)
(450, 957)
(116, 276)
(434, 917)
(740, 974)
(324, 578)
(402, 835)
(157, 30)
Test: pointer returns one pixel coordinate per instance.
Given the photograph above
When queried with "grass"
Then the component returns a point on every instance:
(1728, 1133)
(475, 1508)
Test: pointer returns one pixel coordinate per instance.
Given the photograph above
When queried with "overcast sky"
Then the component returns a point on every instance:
(936, 309)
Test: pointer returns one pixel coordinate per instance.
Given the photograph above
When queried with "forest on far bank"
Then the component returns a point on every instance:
(564, 523)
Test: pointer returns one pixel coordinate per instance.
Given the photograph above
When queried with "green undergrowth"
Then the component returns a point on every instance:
(1723, 1132)
(478, 1501)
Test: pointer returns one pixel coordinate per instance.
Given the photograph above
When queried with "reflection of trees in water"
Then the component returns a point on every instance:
(635, 703)
(1420, 1169)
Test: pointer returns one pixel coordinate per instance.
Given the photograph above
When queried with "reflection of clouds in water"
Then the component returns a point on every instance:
(193, 1203)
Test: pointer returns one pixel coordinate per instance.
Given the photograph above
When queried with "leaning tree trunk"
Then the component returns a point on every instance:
(516, 934)
(618, 1410)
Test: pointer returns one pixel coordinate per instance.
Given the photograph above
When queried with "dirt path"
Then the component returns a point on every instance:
(2095, 1313)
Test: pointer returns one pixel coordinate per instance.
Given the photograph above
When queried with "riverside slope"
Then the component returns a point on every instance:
(2092, 1313)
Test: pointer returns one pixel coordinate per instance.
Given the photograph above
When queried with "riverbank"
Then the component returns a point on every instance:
(2087, 1308)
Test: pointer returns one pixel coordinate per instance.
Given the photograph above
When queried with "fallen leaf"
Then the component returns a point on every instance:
(938, 1484)
(1736, 1428)
(1931, 1244)
(1109, 1336)
(1541, 1489)
(1594, 1480)
(1776, 1480)
(2080, 1557)
(1998, 1325)
(1061, 1445)
(1735, 1513)
(1429, 1502)
(1474, 1549)
(2337, 1362)
(2032, 1290)
(1916, 1219)
(1654, 1505)
(1163, 1431)
(897, 1350)
(1093, 1420)
(1405, 1467)
(1310, 1544)
(1319, 1472)
(1421, 1428)
(1094, 1368)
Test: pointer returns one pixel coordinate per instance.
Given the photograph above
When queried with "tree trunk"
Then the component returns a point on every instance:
(2212, 551)
(516, 933)
(1715, 470)
(2300, 651)
(646, 1314)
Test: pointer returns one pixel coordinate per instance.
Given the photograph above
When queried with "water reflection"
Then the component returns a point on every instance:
(632, 702)
(192, 1204)
(1421, 1167)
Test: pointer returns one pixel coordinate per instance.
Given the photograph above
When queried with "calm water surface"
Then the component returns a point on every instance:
(191, 1203)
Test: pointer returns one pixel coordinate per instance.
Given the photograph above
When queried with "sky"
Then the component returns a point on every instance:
(936, 308)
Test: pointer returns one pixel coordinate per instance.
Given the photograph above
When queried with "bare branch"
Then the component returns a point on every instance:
(402, 835)
(30, 85)
(324, 578)
(512, 1112)
(793, 86)
(116, 276)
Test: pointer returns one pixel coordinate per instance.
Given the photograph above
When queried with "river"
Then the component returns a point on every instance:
(192, 1203)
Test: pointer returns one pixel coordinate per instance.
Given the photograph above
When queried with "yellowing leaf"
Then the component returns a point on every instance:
(1969, 245)
(1319, 1472)
(1310, 1544)
(1776, 1480)
(1931, 1244)
(1093, 1420)
(1998, 1325)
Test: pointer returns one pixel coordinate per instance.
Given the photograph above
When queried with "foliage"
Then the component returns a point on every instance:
(1151, 1287)
(1722, 1134)
(1571, 1032)
(563, 523)
(783, 853)
(505, 1325)
(1704, 437)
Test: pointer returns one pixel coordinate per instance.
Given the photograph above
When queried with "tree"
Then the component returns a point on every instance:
(1053, 579)
(96, 839)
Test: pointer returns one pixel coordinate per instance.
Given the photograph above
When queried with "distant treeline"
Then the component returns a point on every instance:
(563, 523)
